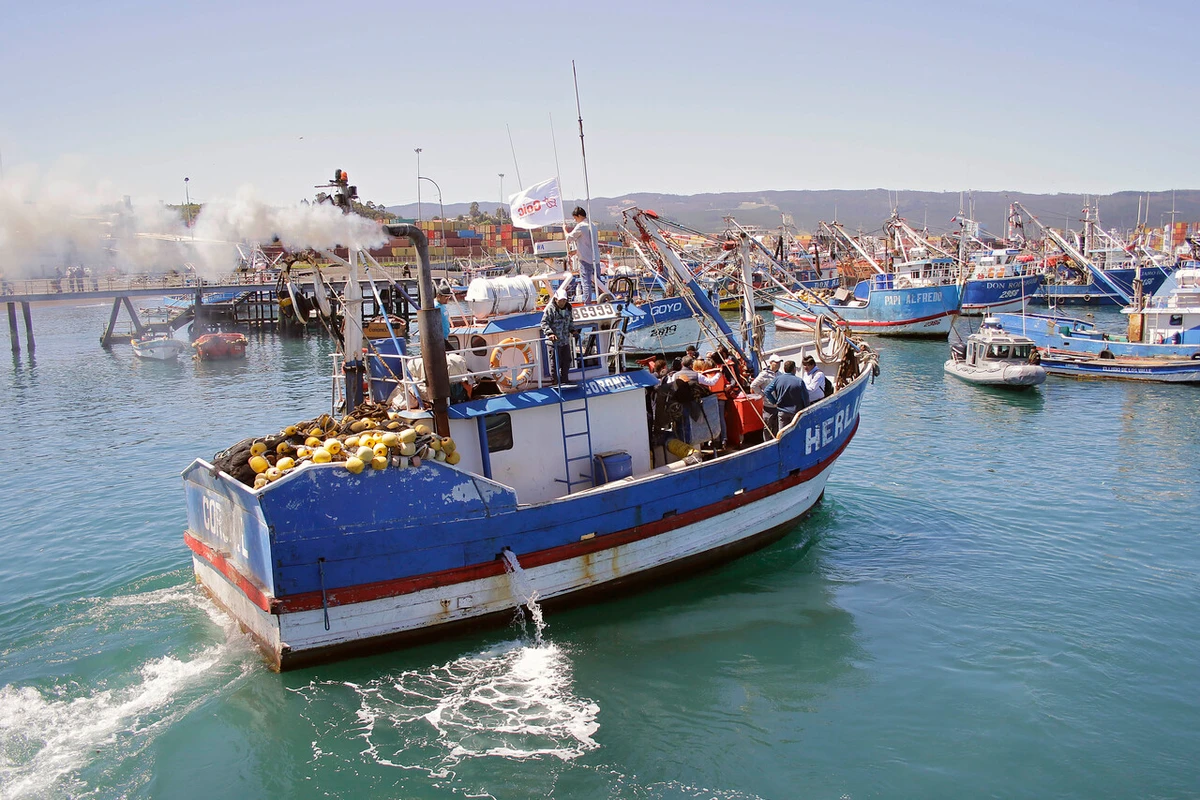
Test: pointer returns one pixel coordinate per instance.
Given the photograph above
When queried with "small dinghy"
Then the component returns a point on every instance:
(994, 357)
(213, 346)
(158, 348)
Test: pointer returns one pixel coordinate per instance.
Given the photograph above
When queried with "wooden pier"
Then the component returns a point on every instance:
(208, 307)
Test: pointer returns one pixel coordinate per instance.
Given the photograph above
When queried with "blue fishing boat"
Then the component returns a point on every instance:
(665, 325)
(1169, 370)
(1064, 289)
(886, 305)
(1165, 326)
(921, 296)
(998, 281)
(571, 482)
(1095, 266)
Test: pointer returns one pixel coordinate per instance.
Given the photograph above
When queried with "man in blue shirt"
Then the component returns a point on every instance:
(440, 302)
(787, 393)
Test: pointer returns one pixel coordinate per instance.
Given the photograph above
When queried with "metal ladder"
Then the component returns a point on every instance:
(580, 406)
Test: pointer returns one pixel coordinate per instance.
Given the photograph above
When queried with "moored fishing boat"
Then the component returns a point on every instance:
(880, 306)
(919, 297)
(324, 562)
(1130, 368)
(1097, 268)
(1165, 326)
(994, 357)
(998, 281)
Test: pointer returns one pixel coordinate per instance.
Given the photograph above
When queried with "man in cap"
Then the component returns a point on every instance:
(759, 385)
(558, 323)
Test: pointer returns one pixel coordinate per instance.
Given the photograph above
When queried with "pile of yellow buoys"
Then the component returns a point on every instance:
(372, 437)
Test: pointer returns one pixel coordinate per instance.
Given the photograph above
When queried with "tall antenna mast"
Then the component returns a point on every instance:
(520, 183)
(583, 151)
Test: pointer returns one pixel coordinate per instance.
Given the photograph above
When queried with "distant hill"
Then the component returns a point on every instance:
(867, 208)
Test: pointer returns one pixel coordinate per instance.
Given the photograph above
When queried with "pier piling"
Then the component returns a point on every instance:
(106, 339)
(12, 328)
(28, 325)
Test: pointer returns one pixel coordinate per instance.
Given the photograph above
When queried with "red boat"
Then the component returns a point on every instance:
(220, 345)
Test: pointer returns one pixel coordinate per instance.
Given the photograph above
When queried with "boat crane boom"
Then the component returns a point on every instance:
(1076, 256)
(838, 232)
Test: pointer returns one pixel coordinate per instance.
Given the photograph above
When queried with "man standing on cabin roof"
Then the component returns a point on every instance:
(440, 302)
(583, 237)
(788, 394)
(558, 324)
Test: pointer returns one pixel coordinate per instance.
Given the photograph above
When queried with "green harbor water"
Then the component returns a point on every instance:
(998, 597)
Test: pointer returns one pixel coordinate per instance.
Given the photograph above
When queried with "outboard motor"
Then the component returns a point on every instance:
(958, 352)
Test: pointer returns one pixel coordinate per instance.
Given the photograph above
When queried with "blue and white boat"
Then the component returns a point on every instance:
(1061, 289)
(886, 305)
(1098, 268)
(569, 483)
(1161, 342)
(1168, 370)
(663, 325)
(1166, 326)
(917, 297)
(998, 281)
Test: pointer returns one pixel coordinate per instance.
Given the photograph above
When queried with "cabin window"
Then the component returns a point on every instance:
(452, 343)
(997, 351)
(1021, 351)
(479, 346)
(1176, 320)
(499, 432)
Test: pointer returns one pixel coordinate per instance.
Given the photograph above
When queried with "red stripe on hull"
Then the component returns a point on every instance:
(310, 601)
(854, 323)
(289, 659)
(219, 563)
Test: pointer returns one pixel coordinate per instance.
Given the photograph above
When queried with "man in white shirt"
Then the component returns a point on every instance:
(759, 384)
(814, 379)
(583, 237)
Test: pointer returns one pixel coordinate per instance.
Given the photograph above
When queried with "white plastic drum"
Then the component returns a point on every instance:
(490, 297)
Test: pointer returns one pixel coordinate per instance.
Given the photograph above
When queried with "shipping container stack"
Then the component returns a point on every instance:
(463, 240)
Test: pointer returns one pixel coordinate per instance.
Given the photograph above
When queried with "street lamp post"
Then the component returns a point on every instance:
(442, 214)
(418, 151)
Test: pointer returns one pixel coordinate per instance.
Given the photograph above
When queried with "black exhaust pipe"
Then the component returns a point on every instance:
(429, 323)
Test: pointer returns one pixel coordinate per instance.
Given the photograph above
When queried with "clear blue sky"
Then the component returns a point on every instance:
(684, 97)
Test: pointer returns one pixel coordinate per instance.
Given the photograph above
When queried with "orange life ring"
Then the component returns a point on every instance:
(506, 380)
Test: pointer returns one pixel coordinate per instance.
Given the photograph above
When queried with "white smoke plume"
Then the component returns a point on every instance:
(47, 223)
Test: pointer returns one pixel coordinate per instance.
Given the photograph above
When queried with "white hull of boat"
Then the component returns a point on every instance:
(935, 327)
(299, 633)
(159, 349)
(1006, 376)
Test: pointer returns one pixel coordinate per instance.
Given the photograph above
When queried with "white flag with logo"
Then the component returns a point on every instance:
(537, 206)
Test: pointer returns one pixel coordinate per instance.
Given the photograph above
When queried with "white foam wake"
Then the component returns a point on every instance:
(514, 701)
(48, 735)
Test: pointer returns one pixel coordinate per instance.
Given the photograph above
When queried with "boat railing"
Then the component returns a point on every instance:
(589, 353)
